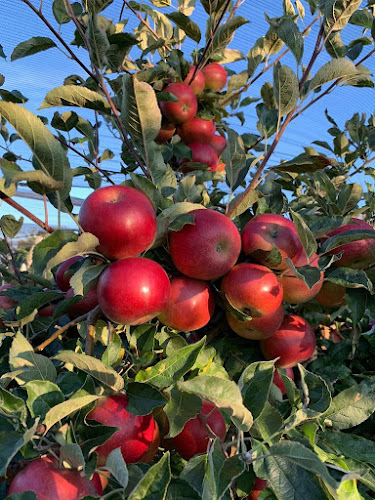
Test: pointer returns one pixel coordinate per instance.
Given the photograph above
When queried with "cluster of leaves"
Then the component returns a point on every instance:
(318, 441)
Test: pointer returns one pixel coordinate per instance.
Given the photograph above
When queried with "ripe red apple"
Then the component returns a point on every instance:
(257, 328)
(357, 254)
(194, 437)
(278, 381)
(259, 485)
(296, 291)
(85, 305)
(331, 295)
(215, 76)
(201, 153)
(49, 482)
(208, 249)
(218, 144)
(165, 133)
(186, 106)
(198, 83)
(46, 311)
(64, 273)
(266, 232)
(190, 306)
(293, 342)
(138, 436)
(133, 291)
(253, 289)
(197, 130)
(6, 303)
(122, 218)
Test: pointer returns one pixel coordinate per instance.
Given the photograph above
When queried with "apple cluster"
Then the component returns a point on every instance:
(180, 116)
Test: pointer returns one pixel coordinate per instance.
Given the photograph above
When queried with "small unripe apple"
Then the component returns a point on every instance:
(331, 295)
(64, 273)
(198, 83)
(257, 328)
(165, 133)
(85, 305)
(201, 153)
(215, 76)
(208, 249)
(133, 291)
(218, 144)
(253, 289)
(278, 380)
(292, 343)
(185, 108)
(296, 291)
(138, 436)
(190, 306)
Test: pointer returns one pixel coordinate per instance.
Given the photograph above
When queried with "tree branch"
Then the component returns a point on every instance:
(60, 331)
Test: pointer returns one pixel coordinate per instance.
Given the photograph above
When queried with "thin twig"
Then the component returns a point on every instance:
(358, 170)
(12, 258)
(90, 329)
(60, 331)
(45, 209)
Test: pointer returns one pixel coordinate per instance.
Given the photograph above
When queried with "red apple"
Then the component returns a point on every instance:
(257, 328)
(215, 76)
(197, 130)
(165, 133)
(85, 305)
(201, 153)
(267, 232)
(186, 106)
(138, 436)
(331, 295)
(133, 291)
(208, 249)
(190, 306)
(49, 482)
(259, 485)
(293, 342)
(6, 303)
(278, 380)
(194, 437)
(356, 254)
(218, 144)
(198, 83)
(46, 311)
(296, 291)
(122, 218)
(253, 289)
(64, 273)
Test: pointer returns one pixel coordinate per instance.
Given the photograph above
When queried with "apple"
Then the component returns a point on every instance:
(218, 144)
(165, 133)
(278, 380)
(190, 306)
(259, 485)
(267, 232)
(46, 311)
(356, 254)
(49, 482)
(208, 249)
(6, 303)
(138, 436)
(215, 76)
(331, 295)
(122, 218)
(185, 108)
(133, 291)
(85, 305)
(253, 289)
(195, 435)
(197, 130)
(198, 83)
(292, 343)
(296, 291)
(201, 153)
(64, 273)
(257, 328)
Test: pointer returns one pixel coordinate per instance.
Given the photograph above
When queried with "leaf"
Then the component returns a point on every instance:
(10, 444)
(349, 278)
(317, 390)
(268, 118)
(35, 301)
(224, 34)
(64, 409)
(60, 13)
(286, 89)
(180, 408)
(15, 96)
(86, 277)
(49, 246)
(42, 395)
(72, 455)
(116, 465)
(224, 394)
(32, 46)
(289, 33)
(2, 52)
(346, 237)
(49, 152)
(337, 68)
(10, 225)
(305, 163)
(93, 367)
(114, 352)
(305, 234)
(143, 398)
(234, 157)
(186, 24)
(338, 12)
(335, 46)
(96, 6)
(170, 370)
(255, 384)
(179, 489)
(235, 209)
(98, 42)
(154, 483)
(350, 445)
(39, 177)
(74, 95)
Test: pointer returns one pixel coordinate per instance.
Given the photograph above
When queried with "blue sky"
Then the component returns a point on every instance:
(36, 75)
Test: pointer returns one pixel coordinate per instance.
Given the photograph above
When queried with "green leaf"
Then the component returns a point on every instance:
(2, 52)
(305, 163)
(255, 384)
(49, 246)
(338, 12)
(15, 96)
(305, 234)
(86, 277)
(10, 225)
(286, 89)
(42, 395)
(234, 157)
(170, 370)
(12, 405)
(268, 118)
(154, 483)
(236, 209)
(116, 465)
(112, 355)
(32, 46)
(289, 33)
(224, 394)
(35, 301)
(143, 398)
(346, 237)
(350, 278)
(269, 422)
(317, 390)
(74, 95)
(337, 68)
(64, 409)
(94, 368)
(72, 455)
(60, 12)
(350, 445)
(96, 6)
(186, 24)
(179, 489)
(181, 407)
(224, 34)
(98, 42)
(335, 46)
(10, 444)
